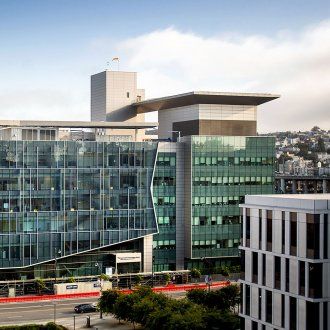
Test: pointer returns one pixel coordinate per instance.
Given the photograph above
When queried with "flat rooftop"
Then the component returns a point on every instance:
(77, 124)
(295, 196)
(200, 97)
(310, 202)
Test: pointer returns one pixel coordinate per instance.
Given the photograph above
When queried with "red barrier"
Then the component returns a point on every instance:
(168, 288)
(49, 297)
(184, 287)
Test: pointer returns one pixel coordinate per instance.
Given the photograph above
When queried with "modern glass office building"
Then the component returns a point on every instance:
(61, 198)
(75, 203)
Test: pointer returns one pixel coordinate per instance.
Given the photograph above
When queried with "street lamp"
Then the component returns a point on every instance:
(55, 256)
(209, 278)
(98, 265)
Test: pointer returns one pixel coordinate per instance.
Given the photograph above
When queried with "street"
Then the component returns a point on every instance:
(43, 312)
(62, 310)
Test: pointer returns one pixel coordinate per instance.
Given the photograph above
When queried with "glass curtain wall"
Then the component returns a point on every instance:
(72, 196)
(224, 170)
(164, 193)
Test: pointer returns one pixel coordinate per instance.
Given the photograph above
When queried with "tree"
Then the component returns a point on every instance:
(138, 279)
(320, 145)
(123, 308)
(315, 129)
(108, 299)
(39, 285)
(195, 274)
(224, 271)
(221, 320)
(222, 299)
(231, 294)
(167, 278)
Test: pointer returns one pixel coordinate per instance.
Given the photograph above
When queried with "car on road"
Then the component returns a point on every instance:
(85, 308)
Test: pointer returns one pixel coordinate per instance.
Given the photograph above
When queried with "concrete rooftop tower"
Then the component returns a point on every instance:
(112, 93)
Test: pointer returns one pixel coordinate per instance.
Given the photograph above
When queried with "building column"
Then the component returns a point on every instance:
(147, 253)
(294, 186)
(283, 186)
(324, 186)
(180, 202)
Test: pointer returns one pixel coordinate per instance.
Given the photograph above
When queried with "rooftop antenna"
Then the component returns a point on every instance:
(108, 65)
(116, 59)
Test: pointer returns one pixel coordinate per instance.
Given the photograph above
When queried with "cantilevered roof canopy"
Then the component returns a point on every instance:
(76, 124)
(180, 100)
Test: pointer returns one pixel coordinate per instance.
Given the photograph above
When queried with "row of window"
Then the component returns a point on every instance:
(164, 200)
(314, 271)
(164, 244)
(168, 160)
(218, 244)
(313, 233)
(230, 161)
(216, 220)
(166, 220)
(265, 302)
(231, 180)
(218, 200)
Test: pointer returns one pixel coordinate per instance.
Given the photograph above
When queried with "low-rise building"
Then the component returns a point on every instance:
(285, 262)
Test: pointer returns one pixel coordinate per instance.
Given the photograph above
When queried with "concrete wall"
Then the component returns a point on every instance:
(81, 287)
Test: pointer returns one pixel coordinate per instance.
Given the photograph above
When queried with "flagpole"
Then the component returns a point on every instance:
(116, 59)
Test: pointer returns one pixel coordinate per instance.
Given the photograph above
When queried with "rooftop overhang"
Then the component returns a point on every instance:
(186, 99)
(77, 124)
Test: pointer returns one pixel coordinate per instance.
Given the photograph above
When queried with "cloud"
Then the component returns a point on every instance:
(295, 65)
(41, 104)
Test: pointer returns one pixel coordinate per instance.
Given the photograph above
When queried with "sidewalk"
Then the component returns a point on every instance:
(168, 288)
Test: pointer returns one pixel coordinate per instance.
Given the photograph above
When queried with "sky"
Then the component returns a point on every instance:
(49, 49)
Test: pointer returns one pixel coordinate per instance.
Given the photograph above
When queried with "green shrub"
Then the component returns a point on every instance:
(138, 279)
(195, 273)
(71, 279)
(39, 285)
(167, 278)
(104, 277)
(197, 296)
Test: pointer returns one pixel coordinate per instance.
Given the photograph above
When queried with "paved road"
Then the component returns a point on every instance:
(43, 312)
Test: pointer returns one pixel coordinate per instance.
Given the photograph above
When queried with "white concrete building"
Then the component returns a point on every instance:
(112, 96)
(285, 262)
